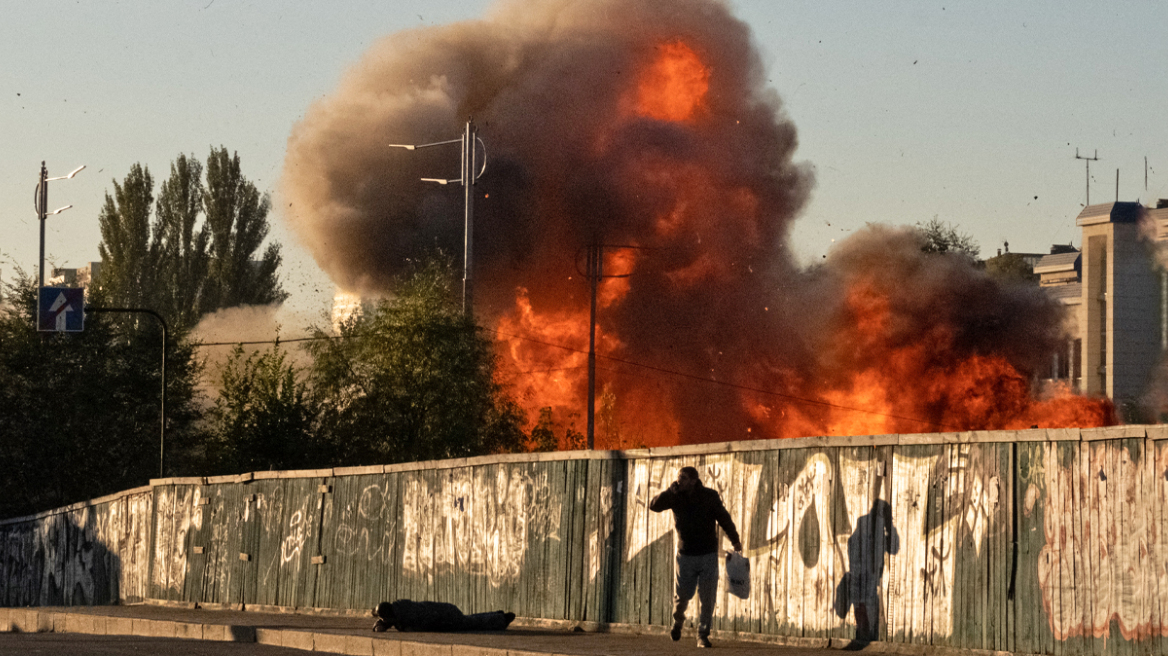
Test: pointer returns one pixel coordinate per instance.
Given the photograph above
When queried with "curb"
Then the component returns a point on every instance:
(22, 620)
(29, 620)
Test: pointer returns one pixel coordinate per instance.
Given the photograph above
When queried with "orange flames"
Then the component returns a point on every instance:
(674, 86)
(649, 128)
(873, 363)
(921, 385)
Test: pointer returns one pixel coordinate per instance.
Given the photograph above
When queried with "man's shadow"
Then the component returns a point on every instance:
(860, 587)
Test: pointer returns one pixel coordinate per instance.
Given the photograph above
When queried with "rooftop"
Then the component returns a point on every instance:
(1057, 263)
(1066, 294)
(1121, 212)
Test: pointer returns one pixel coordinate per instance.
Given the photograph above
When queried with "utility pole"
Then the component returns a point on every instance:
(595, 270)
(471, 170)
(469, 138)
(162, 397)
(41, 201)
(1088, 160)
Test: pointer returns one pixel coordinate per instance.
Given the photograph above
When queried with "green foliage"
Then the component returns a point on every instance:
(180, 266)
(181, 244)
(411, 379)
(940, 237)
(128, 261)
(543, 434)
(237, 218)
(80, 411)
(262, 418)
(1010, 267)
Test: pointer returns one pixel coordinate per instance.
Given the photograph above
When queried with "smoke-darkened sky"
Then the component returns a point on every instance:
(905, 110)
(649, 126)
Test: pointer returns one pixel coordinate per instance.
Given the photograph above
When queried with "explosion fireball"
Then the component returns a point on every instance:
(647, 126)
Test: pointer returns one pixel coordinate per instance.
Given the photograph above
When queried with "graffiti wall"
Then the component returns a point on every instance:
(1032, 541)
(91, 553)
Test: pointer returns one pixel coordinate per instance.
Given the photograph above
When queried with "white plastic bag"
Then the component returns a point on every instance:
(738, 574)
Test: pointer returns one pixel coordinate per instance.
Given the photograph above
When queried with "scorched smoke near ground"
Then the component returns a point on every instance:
(649, 124)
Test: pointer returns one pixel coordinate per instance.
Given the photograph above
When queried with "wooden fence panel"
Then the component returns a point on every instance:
(136, 553)
(1051, 547)
(1030, 624)
(575, 553)
(198, 537)
(658, 553)
(787, 585)
(1158, 554)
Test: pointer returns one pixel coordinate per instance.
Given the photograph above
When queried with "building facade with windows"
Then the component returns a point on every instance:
(1116, 293)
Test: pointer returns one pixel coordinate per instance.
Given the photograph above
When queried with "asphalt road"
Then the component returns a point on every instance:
(77, 644)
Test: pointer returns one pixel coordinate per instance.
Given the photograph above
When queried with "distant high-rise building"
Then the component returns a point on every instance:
(346, 305)
(81, 277)
(1120, 317)
(1116, 291)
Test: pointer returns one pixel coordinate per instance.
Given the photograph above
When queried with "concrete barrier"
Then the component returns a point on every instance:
(1037, 541)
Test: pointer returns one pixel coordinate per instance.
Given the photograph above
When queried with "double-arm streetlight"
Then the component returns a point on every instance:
(41, 201)
(471, 172)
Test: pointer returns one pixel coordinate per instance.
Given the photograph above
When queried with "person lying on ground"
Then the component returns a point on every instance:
(435, 616)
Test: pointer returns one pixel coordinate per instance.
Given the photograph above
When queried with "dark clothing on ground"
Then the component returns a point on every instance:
(695, 514)
(439, 617)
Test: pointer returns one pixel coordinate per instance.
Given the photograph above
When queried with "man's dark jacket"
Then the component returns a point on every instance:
(696, 514)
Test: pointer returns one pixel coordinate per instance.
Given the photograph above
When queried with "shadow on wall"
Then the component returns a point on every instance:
(59, 560)
(875, 536)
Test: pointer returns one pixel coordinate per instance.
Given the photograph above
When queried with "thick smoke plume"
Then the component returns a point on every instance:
(647, 126)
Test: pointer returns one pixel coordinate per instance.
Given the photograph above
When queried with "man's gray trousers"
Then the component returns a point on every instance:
(700, 573)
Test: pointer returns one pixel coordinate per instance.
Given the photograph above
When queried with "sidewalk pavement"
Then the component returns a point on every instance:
(351, 634)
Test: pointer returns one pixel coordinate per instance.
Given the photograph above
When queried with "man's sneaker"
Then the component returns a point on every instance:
(675, 632)
(704, 642)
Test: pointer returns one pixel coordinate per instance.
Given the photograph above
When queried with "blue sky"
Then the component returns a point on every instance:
(968, 111)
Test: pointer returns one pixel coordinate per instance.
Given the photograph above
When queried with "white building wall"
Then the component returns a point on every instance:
(1133, 314)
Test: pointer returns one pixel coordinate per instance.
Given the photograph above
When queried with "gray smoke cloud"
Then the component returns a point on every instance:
(579, 152)
(545, 83)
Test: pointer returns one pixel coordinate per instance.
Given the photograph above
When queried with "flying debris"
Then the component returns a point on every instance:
(648, 125)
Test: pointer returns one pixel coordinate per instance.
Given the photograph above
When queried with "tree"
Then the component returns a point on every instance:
(940, 237)
(128, 261)
(182, 250)
(262, 418)
(179, 265)
(412, 379)
(543, 434)
(1010, 267)
(80, 411)
(237, 218)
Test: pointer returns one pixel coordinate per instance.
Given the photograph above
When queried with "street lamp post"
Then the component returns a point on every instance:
(41, 200)
(162, 402)
(470, 164)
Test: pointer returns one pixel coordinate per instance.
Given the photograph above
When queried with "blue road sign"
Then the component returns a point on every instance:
(61, 309)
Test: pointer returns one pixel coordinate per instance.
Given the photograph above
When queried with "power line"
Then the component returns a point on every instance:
(680, 374)
(267, 341)
(745, 388)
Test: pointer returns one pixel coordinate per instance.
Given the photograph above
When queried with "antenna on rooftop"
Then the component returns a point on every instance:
(1089, 160)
